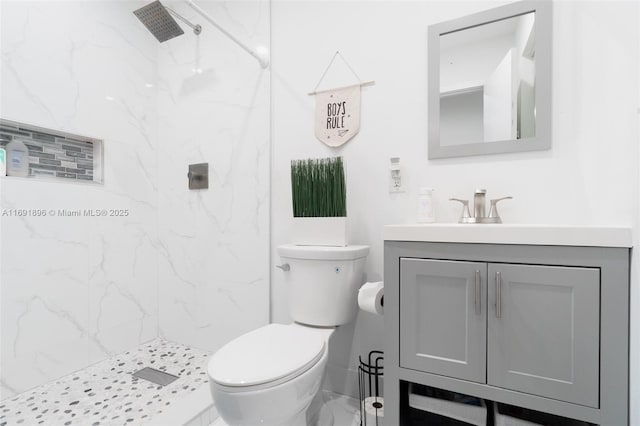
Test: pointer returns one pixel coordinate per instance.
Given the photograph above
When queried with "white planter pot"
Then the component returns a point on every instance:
(319, 231)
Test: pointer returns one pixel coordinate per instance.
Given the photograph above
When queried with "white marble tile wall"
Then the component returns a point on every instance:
(214, 244)
(75, 290)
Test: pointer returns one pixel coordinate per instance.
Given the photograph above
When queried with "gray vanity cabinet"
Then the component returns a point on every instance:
(544, 331)
(540, 334)
(443, 321)
(537, 326)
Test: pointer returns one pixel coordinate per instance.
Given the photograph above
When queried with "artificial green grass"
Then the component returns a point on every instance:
(318, 188)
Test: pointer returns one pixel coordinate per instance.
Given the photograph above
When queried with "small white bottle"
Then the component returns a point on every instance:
(426, 209)
(3, 162)
(17, 159)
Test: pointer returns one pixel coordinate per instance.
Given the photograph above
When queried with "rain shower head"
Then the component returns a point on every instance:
(159, 21)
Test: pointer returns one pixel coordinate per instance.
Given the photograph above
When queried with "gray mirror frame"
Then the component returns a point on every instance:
(543, 27)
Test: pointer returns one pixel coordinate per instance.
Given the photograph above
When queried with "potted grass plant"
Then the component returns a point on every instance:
(319, 202)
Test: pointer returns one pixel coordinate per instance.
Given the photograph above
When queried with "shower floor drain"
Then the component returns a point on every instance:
(155, 376)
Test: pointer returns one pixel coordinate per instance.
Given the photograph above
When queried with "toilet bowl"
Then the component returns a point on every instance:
(272, 376)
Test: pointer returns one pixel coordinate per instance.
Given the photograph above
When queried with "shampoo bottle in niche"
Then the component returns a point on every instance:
(17, 159)
(426, 209)
(3, 162)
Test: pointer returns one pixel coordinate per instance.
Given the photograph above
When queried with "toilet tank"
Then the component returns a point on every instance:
(323, 282)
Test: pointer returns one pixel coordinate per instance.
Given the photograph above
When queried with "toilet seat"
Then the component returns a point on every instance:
(265, 357)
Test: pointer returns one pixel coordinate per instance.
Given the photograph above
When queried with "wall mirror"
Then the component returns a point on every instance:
(490, 82)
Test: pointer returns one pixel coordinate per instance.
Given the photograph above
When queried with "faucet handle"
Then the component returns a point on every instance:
(466, 214)
(493, 210)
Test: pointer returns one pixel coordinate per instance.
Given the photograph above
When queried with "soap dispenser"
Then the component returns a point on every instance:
(17, 159)
(426, 208)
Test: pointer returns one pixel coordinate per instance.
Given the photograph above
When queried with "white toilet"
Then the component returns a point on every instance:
(270, 376)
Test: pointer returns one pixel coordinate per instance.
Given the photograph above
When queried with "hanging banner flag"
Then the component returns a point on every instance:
(338, 114)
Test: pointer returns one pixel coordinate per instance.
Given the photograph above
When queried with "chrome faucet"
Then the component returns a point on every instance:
(479, 201)
(479, 208)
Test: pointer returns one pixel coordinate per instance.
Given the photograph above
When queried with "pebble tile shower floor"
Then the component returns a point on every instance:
(107, 394)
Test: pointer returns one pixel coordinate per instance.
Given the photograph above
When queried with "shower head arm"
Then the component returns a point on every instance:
(264, 62)
(197, 29)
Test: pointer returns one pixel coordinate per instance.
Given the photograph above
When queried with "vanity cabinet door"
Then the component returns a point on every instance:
(443, 317)
(544, 331)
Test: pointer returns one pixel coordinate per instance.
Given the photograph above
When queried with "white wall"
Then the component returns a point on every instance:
(214, 244)
(76, 290)
(589, 177)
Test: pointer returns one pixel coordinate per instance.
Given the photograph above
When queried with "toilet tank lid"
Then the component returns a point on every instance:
(323, 252)
(266, 354)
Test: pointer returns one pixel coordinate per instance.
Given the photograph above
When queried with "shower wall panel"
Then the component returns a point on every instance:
(214, 244)
(191, 266)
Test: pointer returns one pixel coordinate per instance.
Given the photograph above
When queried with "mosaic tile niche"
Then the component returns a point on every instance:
(56, 155)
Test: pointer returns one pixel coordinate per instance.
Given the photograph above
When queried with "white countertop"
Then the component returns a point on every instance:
(553, 235)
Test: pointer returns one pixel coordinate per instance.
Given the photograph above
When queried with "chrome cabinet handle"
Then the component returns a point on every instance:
(285, 267)
(498, 295)
(478, 301)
